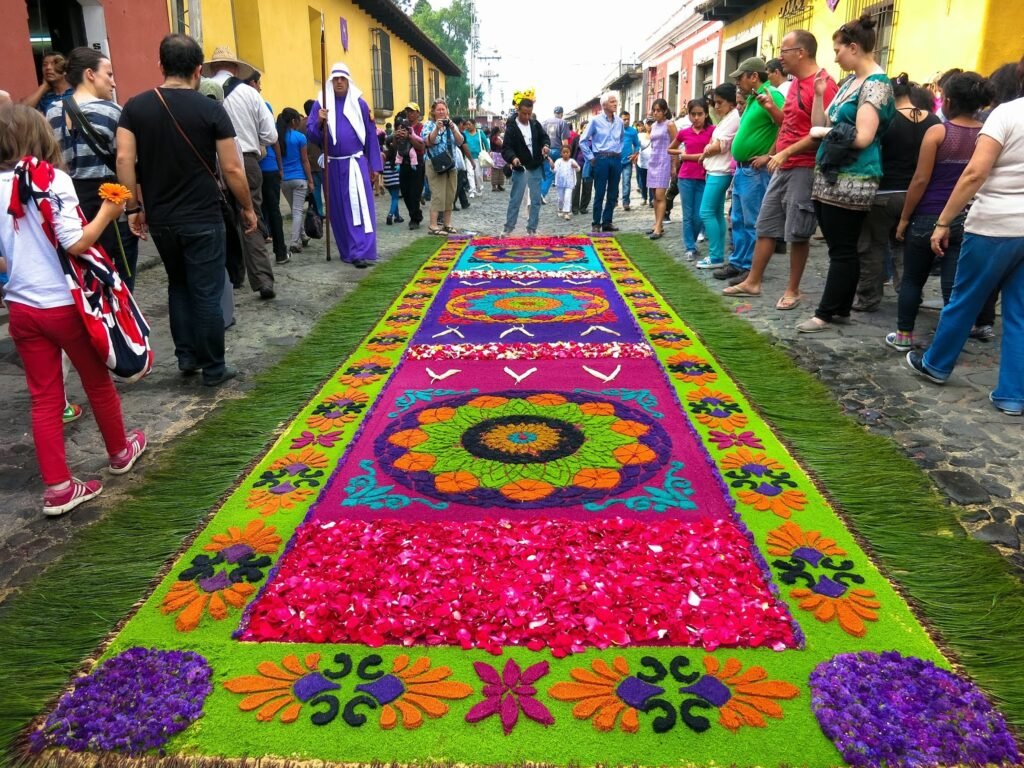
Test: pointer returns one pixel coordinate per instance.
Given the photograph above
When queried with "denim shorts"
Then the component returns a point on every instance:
(787, 211)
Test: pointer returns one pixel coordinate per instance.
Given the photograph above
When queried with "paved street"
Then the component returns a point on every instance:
(968, 448)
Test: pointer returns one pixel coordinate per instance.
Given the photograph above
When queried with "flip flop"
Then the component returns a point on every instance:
(787, 303)
(735, 290)
(436, 231)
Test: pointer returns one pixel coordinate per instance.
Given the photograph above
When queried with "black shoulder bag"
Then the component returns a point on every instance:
(96, 143)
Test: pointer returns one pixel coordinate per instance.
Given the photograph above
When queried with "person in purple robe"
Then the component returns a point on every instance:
(353, 159)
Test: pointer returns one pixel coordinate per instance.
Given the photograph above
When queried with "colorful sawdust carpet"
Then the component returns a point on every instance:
(530, 519)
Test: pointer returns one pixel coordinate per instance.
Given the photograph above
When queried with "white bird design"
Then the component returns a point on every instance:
(598, 375)
(520, 328)
(593, 328)
(519, 376)
(442, 376)
(456, 331)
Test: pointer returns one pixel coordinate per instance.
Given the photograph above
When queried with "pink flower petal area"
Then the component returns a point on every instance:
(562, 584)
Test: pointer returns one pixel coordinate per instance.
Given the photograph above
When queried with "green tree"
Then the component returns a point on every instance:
(451, 29)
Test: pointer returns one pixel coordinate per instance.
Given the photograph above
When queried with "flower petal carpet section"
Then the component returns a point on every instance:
(530, 519)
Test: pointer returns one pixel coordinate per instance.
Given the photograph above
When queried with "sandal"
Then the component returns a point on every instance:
(735, 290)
(450, 230)
(436, 231)
(789, 302)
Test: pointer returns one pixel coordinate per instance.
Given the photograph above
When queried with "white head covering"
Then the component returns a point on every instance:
(352, 111)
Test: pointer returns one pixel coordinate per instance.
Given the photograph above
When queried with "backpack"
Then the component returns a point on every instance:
(117, 329)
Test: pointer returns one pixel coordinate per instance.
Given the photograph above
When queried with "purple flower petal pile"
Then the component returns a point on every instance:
(132, 703)
(896, 711)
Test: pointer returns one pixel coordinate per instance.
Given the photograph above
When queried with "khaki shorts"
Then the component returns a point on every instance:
(787, 211)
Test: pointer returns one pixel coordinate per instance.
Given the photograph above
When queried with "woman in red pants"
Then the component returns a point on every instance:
(43, 317)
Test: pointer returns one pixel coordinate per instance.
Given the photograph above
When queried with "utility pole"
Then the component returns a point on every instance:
(474, 42)
(490, 75)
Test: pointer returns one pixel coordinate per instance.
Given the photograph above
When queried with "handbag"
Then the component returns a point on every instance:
(312, 224)
(443, 161)
(485, 159)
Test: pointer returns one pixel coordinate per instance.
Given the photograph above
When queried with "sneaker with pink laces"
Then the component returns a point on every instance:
(58, 502)
(123, 463)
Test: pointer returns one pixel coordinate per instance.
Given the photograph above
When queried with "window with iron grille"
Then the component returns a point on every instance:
(794, 15)
(435, 84)
(416, 79)
(380, 50)
(885, 14)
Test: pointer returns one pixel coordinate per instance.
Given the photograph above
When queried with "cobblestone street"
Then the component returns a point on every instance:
(970, 450)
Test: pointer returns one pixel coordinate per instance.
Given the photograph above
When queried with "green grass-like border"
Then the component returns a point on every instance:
(962, 588)
(47, 629)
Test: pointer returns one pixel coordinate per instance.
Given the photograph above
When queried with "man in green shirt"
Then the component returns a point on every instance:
(751, 148)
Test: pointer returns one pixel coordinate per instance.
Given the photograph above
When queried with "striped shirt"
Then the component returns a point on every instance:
(81, 161)
(390, 174)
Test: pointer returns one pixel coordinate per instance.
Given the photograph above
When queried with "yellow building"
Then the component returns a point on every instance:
(919, 37)
(391, 60)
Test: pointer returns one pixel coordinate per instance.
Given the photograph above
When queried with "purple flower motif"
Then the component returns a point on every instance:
(509, 693)
(131, 703)
(306, 438)
(903, 712)
(724, 441)
(326, 440)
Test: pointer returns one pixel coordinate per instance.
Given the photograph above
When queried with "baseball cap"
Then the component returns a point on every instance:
(559, 110)
(414, 106)
(753, 64)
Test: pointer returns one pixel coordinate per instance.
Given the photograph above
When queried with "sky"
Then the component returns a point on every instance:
(566, 52)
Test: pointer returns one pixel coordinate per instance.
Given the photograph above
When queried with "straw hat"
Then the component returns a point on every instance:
(224, 55)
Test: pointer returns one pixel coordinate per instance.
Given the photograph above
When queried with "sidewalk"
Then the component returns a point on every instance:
(969, 449)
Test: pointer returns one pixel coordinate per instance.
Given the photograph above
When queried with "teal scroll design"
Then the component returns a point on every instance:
(674, 495)
(412, 396)
(642, 397)
(363, 490)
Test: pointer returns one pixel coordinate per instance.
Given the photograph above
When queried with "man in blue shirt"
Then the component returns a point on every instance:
(601, 145)
(54, 86)
(630, 153)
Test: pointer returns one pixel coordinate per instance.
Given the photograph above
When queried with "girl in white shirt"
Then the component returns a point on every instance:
(717, 161)
(565, 182)
(43, 317)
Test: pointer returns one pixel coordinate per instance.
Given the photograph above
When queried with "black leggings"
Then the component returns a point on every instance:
(841, 228)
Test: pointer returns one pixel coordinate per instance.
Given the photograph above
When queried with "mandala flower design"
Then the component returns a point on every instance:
(830, 600)
(411, 691)
(691, 369)
(742, 698)
(523, 449)
(131, 703)
(280, 691)
(790, 540)
(899, 711)
(387, 342)
(668, 337)
(338, 410)
(716, 409)
(527, 305)
(510, 692)
(288, 481)
(762, 482)
(214, 582)
(724, 441)
(365, 371)
(606, 693)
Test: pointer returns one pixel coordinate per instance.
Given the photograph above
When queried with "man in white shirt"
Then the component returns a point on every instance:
(255, 129)
(777, 76)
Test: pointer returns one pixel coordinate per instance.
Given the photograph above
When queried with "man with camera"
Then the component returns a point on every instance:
(525, 151)
(407, 141)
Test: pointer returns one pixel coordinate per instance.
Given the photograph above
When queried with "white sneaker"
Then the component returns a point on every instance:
(690, 255)
(707, 263)
(700, 237)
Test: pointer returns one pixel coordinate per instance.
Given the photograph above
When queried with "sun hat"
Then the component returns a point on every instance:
(223, 54)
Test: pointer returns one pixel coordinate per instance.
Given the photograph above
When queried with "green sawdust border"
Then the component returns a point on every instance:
(964, 589)
(61, 618)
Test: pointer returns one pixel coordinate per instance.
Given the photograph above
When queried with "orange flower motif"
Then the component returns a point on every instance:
(668, 337)
(434, 415)
(634, 453)
(338, 409)
(269, 503)
(409, 438)
(310, 458)
(783, 503)
(749, 696)
(415, 462)
(273, 690)
(456, 482)
(597, 409)
(716, 409)
(597, 695)
(691, 369)
(192, 602)
(487, 401)
(851, 609)
(547, 398)
(790, 539)
(258, 535)
(422, 688)
(366, 371)
(527, 490)
(596, 477)
(115, 193)
(630, 428)
(744, 457)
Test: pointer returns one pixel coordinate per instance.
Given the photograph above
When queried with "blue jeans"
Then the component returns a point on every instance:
(520, 180)
(985, 263)
(627, 181)
(318, 192)
(547, 179)
(607, 172)
(712, 213)
(748, 188)
(194, 258)
(918, 259)
(691, 191)
(396, 195)
(641, 183)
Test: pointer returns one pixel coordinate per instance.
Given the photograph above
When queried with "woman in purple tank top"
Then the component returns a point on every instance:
(945, 152)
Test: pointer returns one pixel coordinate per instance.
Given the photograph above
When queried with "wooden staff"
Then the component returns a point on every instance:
(325, 131)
